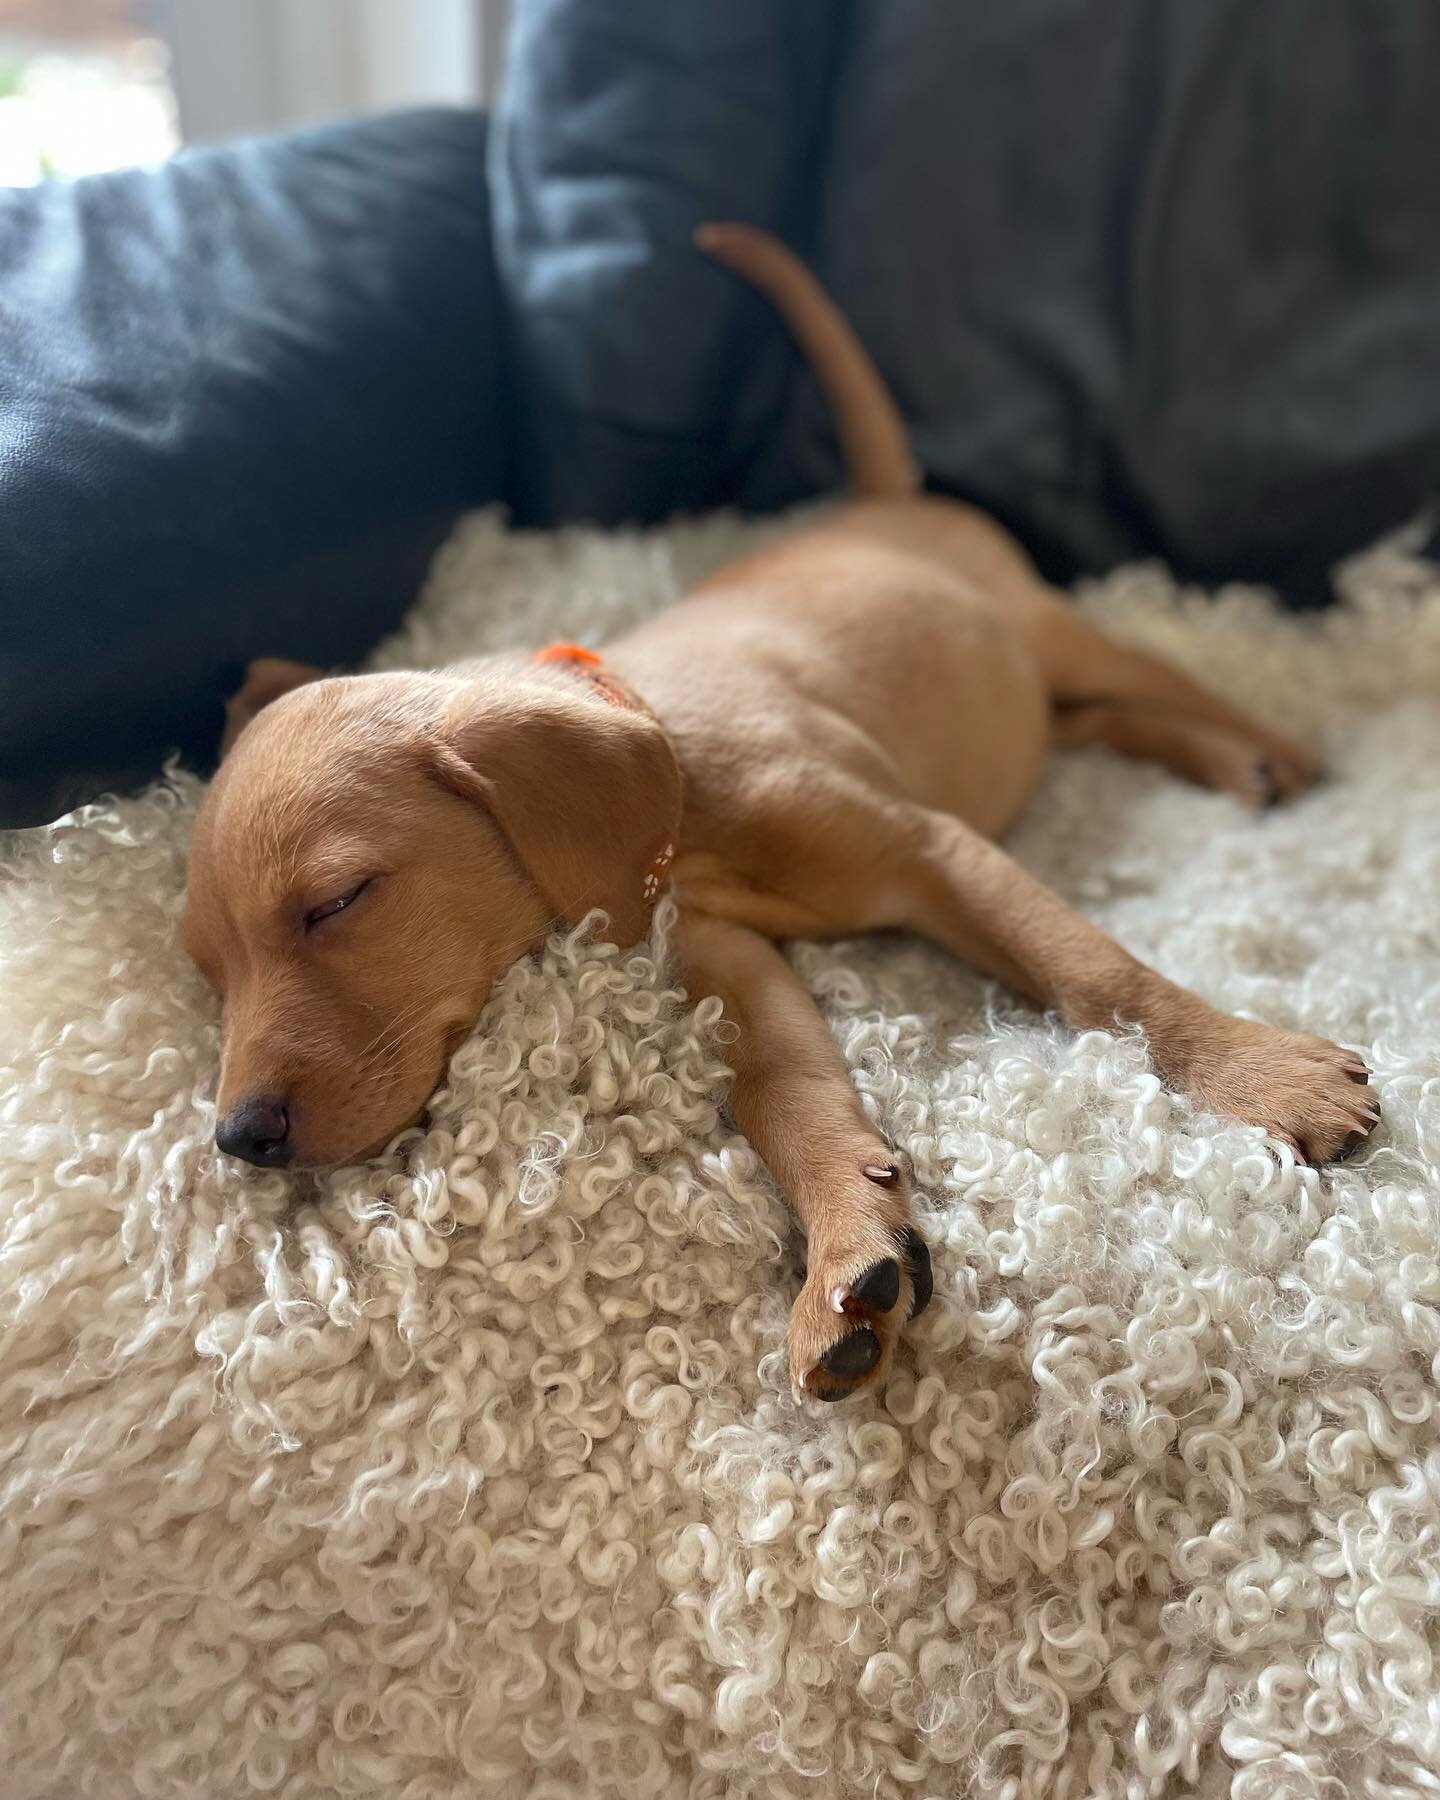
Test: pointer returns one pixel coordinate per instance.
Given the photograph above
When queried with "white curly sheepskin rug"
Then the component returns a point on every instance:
(476, 1473)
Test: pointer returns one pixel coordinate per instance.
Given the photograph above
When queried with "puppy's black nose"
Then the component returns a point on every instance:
(258, 1129)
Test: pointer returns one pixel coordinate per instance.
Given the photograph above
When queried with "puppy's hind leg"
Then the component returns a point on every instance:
(1106, 693)
(972, 898)
(1214, 756)
(867, 1267)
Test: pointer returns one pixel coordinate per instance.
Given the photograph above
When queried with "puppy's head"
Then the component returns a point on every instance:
(374, 851)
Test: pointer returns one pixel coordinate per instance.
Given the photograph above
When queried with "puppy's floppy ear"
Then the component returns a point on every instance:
(586, 789)
(266, 679)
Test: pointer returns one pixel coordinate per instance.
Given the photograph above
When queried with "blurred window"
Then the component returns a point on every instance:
(84, 86)
(87, 85)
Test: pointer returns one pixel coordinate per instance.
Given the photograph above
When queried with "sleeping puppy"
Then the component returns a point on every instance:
(824, 738)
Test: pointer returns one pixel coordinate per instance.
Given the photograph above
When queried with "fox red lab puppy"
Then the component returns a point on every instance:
(821, 739)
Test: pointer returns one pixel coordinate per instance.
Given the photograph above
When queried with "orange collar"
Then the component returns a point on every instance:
(590, 667)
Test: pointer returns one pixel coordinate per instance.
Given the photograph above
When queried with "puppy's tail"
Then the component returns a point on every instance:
(867, 422)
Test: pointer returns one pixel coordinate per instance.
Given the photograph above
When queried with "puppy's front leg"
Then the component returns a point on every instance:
(972, 898)
(868, 1269)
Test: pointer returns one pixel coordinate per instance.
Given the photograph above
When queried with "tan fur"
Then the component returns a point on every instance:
(855, 712)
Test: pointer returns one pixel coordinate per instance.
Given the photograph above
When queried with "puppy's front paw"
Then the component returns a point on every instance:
(868, 1273)
(1304, 1090)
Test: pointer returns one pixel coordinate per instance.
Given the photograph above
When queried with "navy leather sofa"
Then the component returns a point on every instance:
(1149, 277)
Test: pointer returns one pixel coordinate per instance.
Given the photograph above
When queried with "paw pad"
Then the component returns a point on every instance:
(922, 1276)
(853, 1356)
(878, 1287)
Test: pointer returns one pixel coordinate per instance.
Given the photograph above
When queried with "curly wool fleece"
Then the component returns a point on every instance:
(475, 1471)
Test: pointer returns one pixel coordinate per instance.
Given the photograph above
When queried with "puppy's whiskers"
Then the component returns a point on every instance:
(402, 1028)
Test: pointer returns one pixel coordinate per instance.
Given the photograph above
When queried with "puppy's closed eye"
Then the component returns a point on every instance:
(328, 908)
